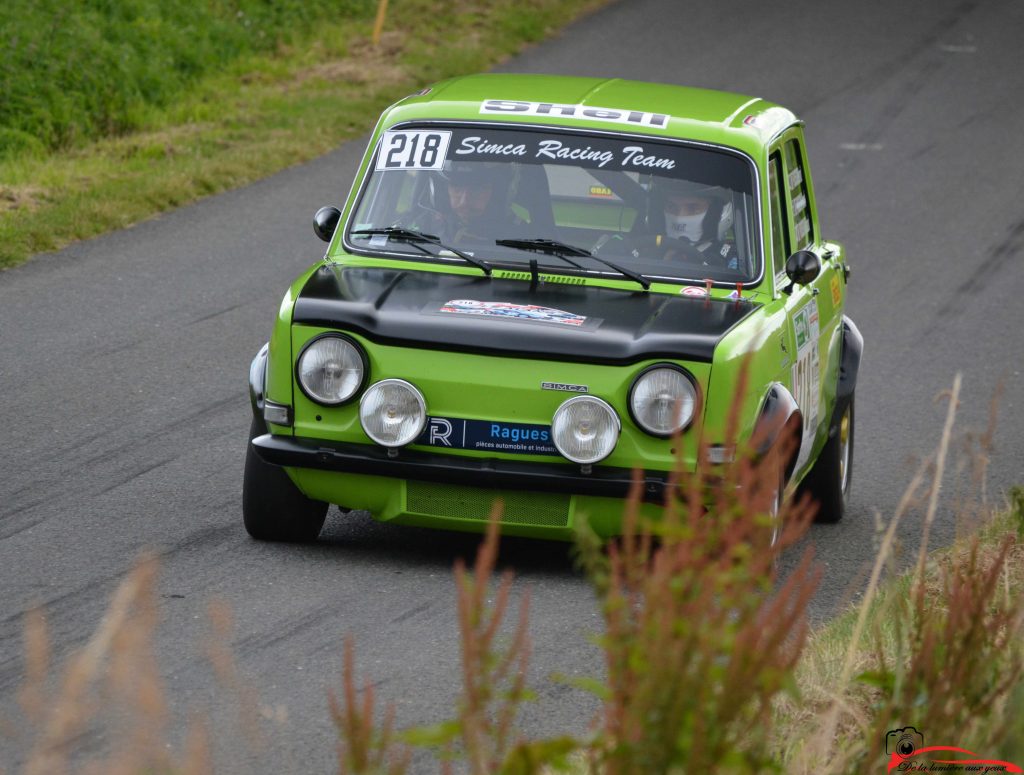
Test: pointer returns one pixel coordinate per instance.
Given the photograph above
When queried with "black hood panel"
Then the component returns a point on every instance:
(404, 308)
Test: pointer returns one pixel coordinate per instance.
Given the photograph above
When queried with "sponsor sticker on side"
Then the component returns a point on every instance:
(807, 374)
(692, 290)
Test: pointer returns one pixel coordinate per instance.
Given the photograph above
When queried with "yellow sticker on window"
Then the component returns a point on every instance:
(600, 191)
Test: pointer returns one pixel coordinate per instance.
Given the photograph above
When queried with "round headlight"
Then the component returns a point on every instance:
(330, 370)
(585, 429)
(663, 400)
(392, 412)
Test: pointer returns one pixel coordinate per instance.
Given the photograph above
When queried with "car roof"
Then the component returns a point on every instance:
(705, 115)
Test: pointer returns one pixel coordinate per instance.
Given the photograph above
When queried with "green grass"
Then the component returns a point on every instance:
(84, 70)
(114, 112)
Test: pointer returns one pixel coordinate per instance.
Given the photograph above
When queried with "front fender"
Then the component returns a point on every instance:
(258, 380)
(778, 421)
(849, 364)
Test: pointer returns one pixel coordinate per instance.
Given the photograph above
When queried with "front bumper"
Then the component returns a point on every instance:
(494, 473)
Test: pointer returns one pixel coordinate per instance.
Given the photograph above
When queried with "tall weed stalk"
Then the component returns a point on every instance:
(494, 670)
(112, 684)
(363, 748)
(494, 676)
(696, 643)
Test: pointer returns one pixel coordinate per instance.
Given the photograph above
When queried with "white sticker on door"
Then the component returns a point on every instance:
(807, 375)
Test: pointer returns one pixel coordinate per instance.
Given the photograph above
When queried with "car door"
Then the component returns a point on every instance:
(812, 310)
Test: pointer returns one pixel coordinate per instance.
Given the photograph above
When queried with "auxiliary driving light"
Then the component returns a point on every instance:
(392, 412)
(585, 429)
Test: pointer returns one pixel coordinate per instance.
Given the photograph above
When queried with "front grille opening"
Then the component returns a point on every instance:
(474, 504)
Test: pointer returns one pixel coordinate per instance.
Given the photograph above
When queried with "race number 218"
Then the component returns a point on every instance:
(413, 150)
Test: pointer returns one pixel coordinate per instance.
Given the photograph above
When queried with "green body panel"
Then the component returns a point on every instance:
(388, 501)
(772, 345)
(280, 384)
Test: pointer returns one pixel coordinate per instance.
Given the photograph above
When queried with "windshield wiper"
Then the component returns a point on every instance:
(563, 250)
(552, 248)
(416, 238)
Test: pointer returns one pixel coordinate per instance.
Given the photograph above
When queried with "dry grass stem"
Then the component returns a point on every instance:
(222, 659)
(363, 747)
(940, 467)
(70, 712)
(494, 677)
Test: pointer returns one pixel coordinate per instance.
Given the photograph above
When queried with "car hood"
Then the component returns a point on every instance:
(555, 320)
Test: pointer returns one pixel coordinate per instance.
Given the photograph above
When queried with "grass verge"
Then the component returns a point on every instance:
(261, 113)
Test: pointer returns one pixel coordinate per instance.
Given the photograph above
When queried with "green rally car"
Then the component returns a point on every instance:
(538, 284)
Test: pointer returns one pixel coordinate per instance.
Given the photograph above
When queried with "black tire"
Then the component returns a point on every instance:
(272, 506)
(828, 483)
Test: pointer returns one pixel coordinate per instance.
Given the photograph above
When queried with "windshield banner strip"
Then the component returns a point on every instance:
(674, 161)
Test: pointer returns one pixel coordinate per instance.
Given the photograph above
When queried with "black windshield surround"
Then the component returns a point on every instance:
(700, 162)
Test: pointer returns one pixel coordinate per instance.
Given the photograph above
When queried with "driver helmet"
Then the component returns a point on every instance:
(474, 191)
(472, 174)
(695, 211)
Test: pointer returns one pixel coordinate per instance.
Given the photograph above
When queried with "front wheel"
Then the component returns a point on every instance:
(829, 481)
(273, 508)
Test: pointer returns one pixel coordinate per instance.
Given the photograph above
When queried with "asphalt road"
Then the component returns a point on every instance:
(123, 366)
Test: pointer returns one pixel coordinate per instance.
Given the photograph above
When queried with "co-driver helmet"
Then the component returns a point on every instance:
(680, 202)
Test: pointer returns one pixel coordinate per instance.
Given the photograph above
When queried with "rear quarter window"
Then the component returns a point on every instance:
(796, 181)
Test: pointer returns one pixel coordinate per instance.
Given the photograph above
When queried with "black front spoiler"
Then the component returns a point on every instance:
(469, 472)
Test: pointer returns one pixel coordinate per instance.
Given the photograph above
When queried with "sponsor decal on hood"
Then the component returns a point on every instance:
(508, 310)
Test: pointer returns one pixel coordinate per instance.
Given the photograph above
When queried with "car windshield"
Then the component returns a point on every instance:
(661, 209)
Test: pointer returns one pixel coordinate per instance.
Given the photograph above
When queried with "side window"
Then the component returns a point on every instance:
(797, 184)
(780, 230)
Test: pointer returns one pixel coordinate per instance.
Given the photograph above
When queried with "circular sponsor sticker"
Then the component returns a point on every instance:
(693, 290)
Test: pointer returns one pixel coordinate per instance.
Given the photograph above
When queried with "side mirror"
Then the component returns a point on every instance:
(803, 267)
(325, 222)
